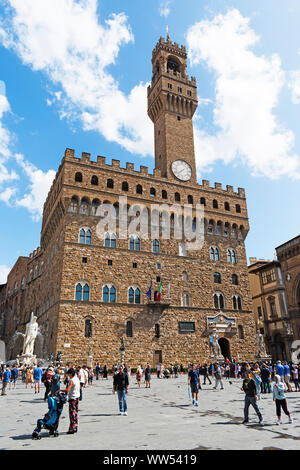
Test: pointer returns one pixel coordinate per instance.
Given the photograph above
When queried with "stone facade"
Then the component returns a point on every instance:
(176, 327)
(289, 256)
(270, 308)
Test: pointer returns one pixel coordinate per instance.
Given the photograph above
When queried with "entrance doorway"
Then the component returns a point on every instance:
(225, 348)
(157, 358)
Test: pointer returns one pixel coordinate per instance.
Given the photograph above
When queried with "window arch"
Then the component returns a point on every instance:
(125, 186)
(152, 192)
(226, 206)
(231, 256)
(84, 206)
(214, 253)
(139, 189)
(85, 236)
(237, 302)
(238, 208)
(110, 183)
(129, 329)
(95, 207)
(185, 299)
(78, 177)
(202, 201)
(218, 300)
(134, 295)
(110, 240)
(88, 328)
(182, 249)
(109, 293)
(184, 276)
(94, 180)
(157, 330)
(73, 207)
(82, 291)
(177, 197)
(155, 246)
(190, 199)
(217, 278)
(134, 243)
(215, 204)
(235, 280)
(164, 194)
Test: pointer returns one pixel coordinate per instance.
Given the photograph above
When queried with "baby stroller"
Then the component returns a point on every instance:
(166, 373)
(51, 419)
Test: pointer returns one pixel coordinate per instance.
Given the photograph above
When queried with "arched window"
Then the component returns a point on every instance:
(95, 207)
(82, 291)
(241, 332)
(238, 208)
(190, 199)
(182, 249)
(164, 194)
(155, 246)
(78, 177)
(185, 299)
(202, 201)
(124, 186)
(235, 280)
(85, 236)
(231, 256)
(177, 197)
(109, 293)
(157, 330)
(84, 206)
(226, 229)
(226, 206)
(184, 276)
(129, 329)
(134, 243)
(215, 204)
(210, 227)
(134, 295)
(88, 328)
(237, 302)
(110, 240)
(110, 183)
(218, 300)
(217, 278)
(73, 207)
(152, 192)
(214, 253)
(94, 180)
(139, 189)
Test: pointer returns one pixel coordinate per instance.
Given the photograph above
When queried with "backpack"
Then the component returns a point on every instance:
(257, 379)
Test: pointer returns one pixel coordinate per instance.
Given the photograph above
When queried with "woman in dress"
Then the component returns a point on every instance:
(147, 375)
(139, 375)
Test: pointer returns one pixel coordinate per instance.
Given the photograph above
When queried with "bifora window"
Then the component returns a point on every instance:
(186, 326)
(268, 276)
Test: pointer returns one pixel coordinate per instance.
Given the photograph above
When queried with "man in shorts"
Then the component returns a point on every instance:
(37, 376)
(193, 383)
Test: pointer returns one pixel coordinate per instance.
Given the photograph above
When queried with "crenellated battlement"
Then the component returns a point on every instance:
(143, 171)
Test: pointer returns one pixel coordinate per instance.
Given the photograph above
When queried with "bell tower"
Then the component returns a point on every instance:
(172, 101)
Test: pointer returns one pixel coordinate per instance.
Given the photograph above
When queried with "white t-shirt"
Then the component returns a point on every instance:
(81, 376)
(74, 392)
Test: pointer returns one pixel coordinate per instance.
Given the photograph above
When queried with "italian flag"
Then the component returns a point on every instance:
(159, 292)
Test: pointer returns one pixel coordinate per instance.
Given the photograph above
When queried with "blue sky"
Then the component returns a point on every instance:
(74, 74)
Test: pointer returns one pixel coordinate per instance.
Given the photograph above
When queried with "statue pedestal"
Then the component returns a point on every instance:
(27, 359)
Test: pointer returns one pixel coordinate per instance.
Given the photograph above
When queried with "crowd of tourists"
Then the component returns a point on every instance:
(277, 379)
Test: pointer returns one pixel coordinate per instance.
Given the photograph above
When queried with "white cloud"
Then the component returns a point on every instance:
(294, 86)
(164, 8)
(39, 181)
(4, 271)
(246, 94)
(39, 186)
(75, 55)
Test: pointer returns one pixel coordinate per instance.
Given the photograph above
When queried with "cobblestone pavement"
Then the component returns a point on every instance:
(158, 418)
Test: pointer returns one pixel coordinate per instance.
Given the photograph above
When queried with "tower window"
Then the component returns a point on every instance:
(157, 330)
(238, 208)
(189, 93)
(129, 329)
(227, 207)
(152, 192)
(215, 204)
(109, 262)
(110, 183)
(164, 194)
(190, 199)
(170, 86)
(88, 328)
(124, 186)
(78, 177)
(178, 118)
(139, 189)
(202, 201)
(94, 180)
(179, 89)
(177, 197)
(84, 260)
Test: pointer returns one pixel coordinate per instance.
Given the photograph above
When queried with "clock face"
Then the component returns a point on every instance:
(181, 170)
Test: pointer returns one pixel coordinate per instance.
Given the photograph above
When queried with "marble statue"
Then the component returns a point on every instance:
(30, 336)
(261, 344)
